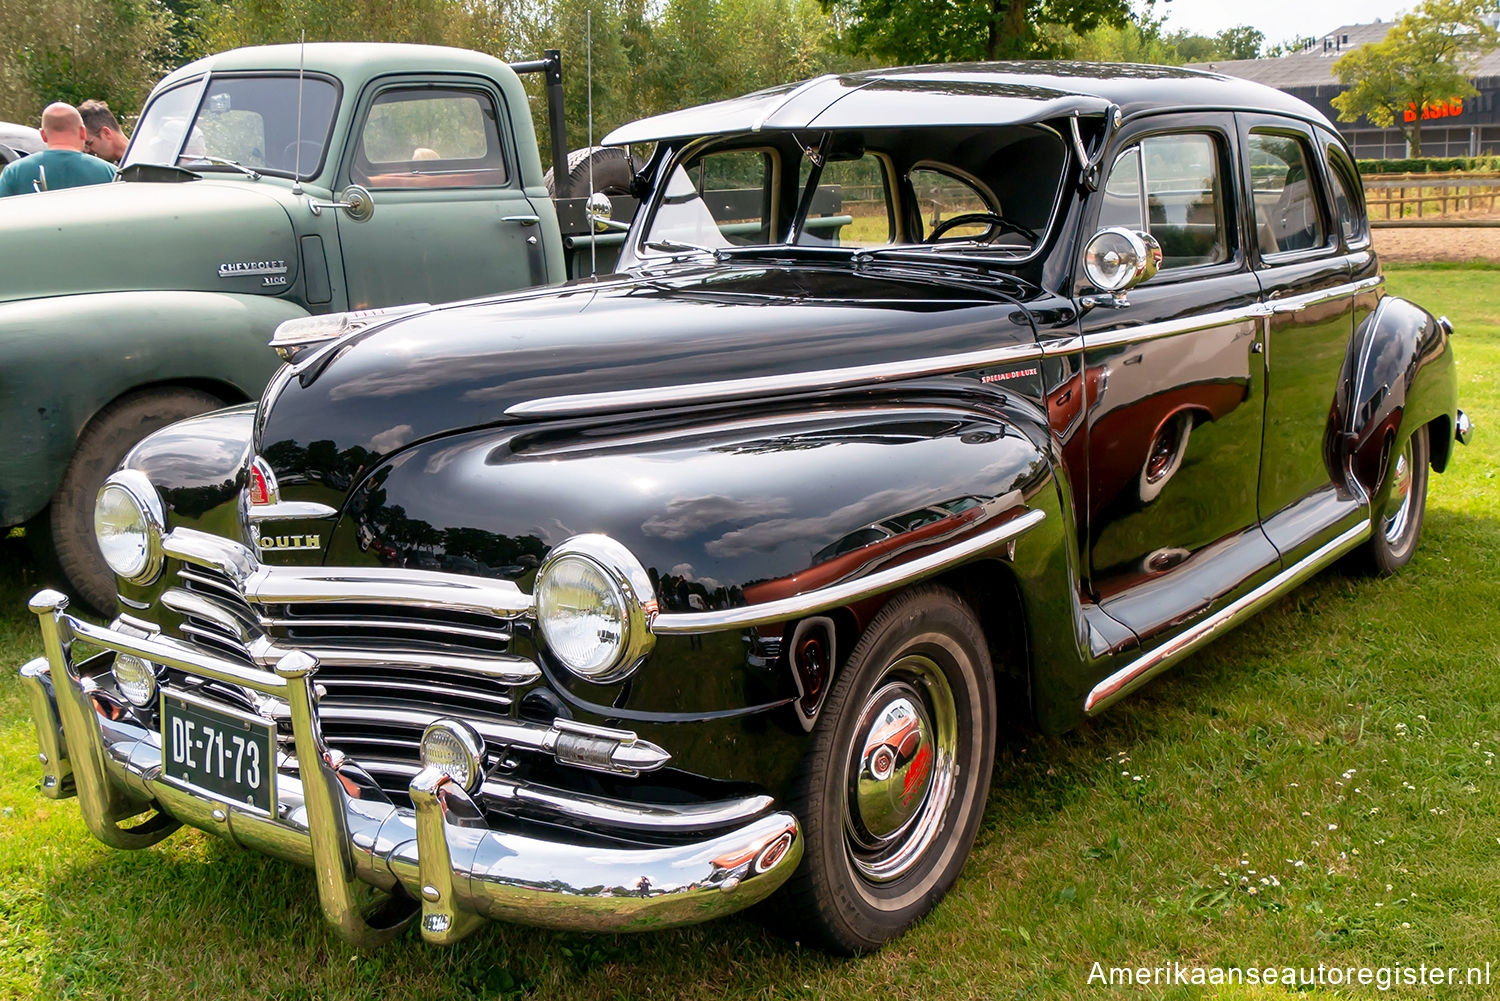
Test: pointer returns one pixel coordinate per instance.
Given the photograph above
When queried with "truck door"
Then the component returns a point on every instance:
(451, 219)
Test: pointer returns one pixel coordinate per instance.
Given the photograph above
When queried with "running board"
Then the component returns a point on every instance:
(1147, 666)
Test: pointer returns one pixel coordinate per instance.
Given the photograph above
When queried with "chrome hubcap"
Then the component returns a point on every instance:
(900, 769)
(1398, 505)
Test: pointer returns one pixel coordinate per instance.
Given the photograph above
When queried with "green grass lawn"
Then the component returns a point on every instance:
(1319, 786)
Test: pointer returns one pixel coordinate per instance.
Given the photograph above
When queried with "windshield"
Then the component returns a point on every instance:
(251, 121)
(993, 189)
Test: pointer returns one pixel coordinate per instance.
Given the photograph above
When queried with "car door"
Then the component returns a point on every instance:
(1305, 271)
(1174, 386)
(451, 220)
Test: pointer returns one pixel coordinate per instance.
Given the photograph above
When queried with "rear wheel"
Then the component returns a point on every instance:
(1397, 524)
(100, 450)
(893, 789)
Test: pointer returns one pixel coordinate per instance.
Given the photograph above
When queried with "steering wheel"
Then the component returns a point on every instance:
(970, 218)
(289, 152)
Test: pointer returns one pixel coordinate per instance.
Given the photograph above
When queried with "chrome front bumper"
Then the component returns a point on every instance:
(377, 864)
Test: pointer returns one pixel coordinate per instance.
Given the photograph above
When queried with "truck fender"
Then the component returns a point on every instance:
(1399, 375)
(62, 359)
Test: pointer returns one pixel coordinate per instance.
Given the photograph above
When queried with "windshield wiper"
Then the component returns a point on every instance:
(254, 175)
(677, 246)
(930, 249)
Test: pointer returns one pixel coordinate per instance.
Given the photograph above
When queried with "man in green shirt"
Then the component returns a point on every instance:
(63, 164)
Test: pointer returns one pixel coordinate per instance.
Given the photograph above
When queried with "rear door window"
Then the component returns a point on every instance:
(1285, 195)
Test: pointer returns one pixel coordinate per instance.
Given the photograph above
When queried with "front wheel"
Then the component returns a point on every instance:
(101, 447)
(893, 788)
(1397, 523)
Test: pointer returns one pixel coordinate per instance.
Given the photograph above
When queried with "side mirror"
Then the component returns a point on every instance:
(600, 212)
(1116, 260)
(357, 202)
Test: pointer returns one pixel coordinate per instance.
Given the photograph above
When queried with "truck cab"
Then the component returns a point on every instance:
(261, 185)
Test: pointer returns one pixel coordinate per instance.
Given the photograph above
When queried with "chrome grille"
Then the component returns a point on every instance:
(376, 659)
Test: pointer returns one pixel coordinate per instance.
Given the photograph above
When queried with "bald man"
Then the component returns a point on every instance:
(63, 164)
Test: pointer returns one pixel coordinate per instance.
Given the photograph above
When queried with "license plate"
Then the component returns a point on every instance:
(228, 754)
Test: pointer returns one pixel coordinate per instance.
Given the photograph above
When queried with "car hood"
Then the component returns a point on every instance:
(637, 342)
(139, 236)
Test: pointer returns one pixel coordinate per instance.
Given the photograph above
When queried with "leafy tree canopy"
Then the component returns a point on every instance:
(1423, 62)
(924, 31)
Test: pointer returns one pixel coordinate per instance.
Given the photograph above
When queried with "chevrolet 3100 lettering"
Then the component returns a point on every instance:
(921, 394)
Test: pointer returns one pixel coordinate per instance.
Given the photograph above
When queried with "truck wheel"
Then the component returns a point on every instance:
(1396, 525)
(101, 447)
(612, 174)
(893, 788)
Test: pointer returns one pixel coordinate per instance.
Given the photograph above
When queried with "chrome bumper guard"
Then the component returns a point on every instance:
(378, 865)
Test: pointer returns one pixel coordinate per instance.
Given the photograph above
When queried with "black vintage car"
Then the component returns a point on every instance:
(926, 398)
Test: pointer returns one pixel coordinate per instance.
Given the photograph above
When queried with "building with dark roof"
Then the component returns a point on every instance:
(1462, 127)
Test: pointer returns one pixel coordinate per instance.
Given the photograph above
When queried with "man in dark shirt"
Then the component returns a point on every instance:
(105, 140)
(63, 164)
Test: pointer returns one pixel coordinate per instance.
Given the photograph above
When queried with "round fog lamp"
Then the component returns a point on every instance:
(128, 526)
(456, 750)
(135, 678)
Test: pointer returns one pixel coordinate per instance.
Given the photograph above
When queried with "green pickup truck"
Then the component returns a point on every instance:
(262, 185)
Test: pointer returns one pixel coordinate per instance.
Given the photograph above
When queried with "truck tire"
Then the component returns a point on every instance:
(101, 447)
(611, 166)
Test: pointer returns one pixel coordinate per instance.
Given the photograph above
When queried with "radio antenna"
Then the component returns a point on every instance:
(588, 47)
(297, 156)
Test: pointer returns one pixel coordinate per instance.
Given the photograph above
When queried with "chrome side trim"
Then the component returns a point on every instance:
(917, 368)
(770, 385)
(287, 510)
(837, 595)
(1149, 665)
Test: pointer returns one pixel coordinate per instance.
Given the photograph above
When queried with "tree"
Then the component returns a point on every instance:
(1241, 42)
(922, 31)
(72, 50)
(1419, 69)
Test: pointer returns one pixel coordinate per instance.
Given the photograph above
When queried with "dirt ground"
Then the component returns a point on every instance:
(1438, 244)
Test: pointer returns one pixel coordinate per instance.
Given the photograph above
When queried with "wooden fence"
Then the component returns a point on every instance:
(1405, 198)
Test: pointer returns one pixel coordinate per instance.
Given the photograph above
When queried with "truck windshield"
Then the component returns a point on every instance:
(251, 121)
(994, 190)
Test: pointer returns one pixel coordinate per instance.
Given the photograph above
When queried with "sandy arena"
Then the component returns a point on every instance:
(1438, 244)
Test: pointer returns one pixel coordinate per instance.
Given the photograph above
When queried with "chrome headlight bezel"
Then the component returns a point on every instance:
(139, 492)
(631, 586)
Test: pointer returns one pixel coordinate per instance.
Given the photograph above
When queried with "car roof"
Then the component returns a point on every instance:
(21, 138)
(967, 94)
(351, 62)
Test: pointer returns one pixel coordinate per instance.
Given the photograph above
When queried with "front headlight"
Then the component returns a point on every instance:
(594, 605)
(129, 525)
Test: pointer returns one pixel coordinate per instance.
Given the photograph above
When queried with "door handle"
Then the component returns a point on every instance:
(524, 220)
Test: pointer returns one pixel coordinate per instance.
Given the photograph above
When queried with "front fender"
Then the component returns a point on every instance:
(64, 358)
(1400, 375)
(721, 515)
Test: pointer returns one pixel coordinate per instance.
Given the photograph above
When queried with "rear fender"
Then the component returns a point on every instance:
(62, 359)
(1400, 375)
